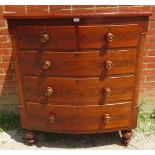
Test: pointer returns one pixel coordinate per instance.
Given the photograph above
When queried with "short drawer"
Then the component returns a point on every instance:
(108, 36)
(79, 119)
(77, 91)
(45, 37)
(93, 63)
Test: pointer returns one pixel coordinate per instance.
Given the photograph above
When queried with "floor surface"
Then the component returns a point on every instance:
(108, 141)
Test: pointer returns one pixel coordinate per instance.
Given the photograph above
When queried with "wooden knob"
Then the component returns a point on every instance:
(107, 91)
(108, 64)
(49, 91)
(52, 118)
(110, 37)
(107, 118)
(46, 64)
(44, 38)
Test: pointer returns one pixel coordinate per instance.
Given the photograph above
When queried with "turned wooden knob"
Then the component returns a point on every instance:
(44, 37)
(107, 118)
(48, 91)
(46, 64)
(107, 91)
(110, 37)
(52, 118)
(108, 64)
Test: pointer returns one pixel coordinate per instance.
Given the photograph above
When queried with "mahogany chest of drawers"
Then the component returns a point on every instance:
(78, 73)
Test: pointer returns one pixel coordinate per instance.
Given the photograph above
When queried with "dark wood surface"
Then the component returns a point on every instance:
(93, 63)
(78, 119)
(61, 37)
(65, 84)
(95, 36)
(73, 13)
(74, 91)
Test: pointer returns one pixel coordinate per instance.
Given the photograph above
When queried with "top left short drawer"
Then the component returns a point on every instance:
(45, 37)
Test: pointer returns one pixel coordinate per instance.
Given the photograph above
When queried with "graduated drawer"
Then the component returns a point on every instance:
(93, 63)
(79, 119)
(45, 37)
(108, 36)
(77, 91)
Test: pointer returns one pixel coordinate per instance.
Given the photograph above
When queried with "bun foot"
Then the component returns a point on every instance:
(30, 136)
(126, 136)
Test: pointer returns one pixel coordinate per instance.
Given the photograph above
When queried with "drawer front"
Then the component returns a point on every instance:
(77, 64)
(48, 37)
(108, 36)
(78, 119)
(77, 91)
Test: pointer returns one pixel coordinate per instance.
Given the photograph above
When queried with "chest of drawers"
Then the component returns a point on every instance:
(78, 73)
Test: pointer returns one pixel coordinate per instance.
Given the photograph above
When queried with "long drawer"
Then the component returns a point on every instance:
(45, 37)
(92, 63)
(108, 36)
(78, 91)
(78, 119)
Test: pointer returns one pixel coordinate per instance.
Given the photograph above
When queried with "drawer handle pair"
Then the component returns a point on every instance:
(106, 118)
(47, 63)
(45, 37)
(49, 91)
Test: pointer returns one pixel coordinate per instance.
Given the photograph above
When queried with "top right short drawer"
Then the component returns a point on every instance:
(108, 36)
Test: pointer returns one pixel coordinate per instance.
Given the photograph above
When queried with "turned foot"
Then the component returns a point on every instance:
(30, 136)
(126, 136)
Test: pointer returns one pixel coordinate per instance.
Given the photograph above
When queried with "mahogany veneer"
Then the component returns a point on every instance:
(78, 73)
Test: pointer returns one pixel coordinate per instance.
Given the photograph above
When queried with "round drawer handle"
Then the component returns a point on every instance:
(107, 91)
(52, 118)
(110, 37)
(108, 64)
(49, 91)
(44, 37)
(46, 64)
(106, 118)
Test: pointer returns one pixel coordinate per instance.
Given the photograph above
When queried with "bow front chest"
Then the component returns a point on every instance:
(78, 73)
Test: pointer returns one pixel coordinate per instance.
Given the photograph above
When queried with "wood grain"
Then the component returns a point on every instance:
(92, 63)
(74, 14)
(61, 37)
(91, 37)
(75, 91)
(78, 119)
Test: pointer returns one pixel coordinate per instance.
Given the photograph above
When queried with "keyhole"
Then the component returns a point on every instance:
(44, 30)
(109, 29)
